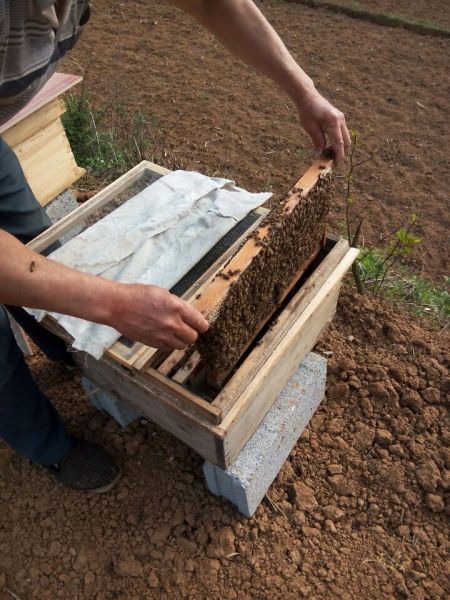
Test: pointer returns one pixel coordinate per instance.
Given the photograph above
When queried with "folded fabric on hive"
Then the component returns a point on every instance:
(156, 237)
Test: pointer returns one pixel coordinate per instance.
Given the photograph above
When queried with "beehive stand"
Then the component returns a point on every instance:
(170, 388)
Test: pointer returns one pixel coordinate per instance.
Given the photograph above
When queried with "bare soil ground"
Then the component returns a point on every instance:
(362, 500)
(362, 503)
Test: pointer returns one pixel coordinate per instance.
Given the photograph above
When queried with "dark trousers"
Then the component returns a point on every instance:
(28, 421)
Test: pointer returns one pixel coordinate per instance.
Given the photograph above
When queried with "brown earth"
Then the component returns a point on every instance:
(208, 112)
(360, 509)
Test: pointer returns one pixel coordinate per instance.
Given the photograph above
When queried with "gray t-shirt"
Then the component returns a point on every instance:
(34, 37)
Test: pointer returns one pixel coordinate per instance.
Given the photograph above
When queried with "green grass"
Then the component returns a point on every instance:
(400, 285)
(395, 16)
(105, 140)
(204, 97)
(353, 8)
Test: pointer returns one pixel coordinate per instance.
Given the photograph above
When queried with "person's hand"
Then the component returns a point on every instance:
(324, 123)
(155, 317)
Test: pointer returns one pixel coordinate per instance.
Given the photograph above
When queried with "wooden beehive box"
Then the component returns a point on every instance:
(168, 387)
(37, 136)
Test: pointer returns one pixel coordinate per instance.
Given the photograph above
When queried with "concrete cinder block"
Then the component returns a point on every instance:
(246, 482)
(109, 402)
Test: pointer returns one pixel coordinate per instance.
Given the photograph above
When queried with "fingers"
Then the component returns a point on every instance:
(346, 136)
(194, 318)
(185, 333)
(325, 124)
(336, 140)
(155, 317)
(317, 135)
(180, 337)
(186, 326)
(174, 343)
(173, 338)
(338, 135)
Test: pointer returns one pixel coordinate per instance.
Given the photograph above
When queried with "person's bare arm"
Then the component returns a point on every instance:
(244, 30)
(144, 313)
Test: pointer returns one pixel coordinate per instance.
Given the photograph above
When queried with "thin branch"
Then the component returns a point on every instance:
(357, 234)
(357, 277)
(12, 594)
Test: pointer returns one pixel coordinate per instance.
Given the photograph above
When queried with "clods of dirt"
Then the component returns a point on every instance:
(359, 510)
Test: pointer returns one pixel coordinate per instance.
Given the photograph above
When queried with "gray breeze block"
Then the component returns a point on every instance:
(109, 402)
(246, 482)
(61, 206)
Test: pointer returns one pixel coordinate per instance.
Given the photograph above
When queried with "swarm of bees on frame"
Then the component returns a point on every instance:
(252, 298)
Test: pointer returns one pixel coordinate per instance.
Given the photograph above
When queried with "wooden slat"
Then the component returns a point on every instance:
(124, 355)
(157, 404)
(145, 359)
(301, 302)
(171, 361)
(52, 234)
(183, 374)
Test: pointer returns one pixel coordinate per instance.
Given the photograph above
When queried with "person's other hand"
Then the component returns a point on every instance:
(324, 123)
(155, 317)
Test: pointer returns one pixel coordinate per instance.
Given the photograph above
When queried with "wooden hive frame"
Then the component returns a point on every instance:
(155, 383)
(263, 272)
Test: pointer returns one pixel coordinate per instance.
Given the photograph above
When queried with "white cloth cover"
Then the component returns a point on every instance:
(156, 237)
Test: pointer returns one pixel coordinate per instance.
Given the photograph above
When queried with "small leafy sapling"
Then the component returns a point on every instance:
(354, 223)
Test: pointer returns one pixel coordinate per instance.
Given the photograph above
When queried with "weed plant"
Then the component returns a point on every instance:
(400, 285)
(107, 140)
(380, 269)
